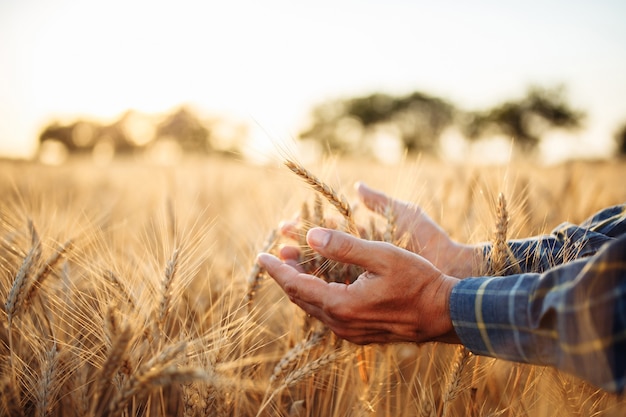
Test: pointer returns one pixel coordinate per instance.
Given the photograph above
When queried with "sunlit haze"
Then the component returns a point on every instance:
(269, 62)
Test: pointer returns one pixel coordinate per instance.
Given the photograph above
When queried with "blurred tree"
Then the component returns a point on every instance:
(525, 120)
(77, 137)
(349, 125)
(83, 136)
(620, 140)
(184, 127)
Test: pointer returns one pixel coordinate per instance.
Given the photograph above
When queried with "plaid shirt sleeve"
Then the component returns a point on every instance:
(569, 313)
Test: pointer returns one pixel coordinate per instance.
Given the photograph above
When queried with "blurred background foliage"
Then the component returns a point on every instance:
(354, 126)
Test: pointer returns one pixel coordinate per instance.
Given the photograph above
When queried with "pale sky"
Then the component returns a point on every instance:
(269, 62)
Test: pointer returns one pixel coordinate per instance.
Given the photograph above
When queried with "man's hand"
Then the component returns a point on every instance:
(401, 297)
(424, 236)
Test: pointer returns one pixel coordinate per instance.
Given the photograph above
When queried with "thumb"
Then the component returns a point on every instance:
(345, 248)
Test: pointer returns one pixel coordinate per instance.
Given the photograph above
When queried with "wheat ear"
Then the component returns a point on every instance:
(112, 364)
(454, 380)
(289, 360)
(166, 290)
(256, 274)
(18, 289)
(300, 373)
(339, 202)
(45, 271)
(119, 286)
(157, 376)
(499, 249)
(389, 234)
(158, 371)
(9, 397)
(48, 384)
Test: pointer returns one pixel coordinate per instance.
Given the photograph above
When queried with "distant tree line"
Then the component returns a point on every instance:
(418, 120)
(345, 126)
(134, 132)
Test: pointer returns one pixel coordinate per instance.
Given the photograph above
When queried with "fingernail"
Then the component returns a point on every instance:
(318, 237)
(262, 258)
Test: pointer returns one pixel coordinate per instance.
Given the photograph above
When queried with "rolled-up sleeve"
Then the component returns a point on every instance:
(572, 316)
(566, 242)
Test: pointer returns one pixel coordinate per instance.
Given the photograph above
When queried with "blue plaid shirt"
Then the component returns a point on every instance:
(567, 307)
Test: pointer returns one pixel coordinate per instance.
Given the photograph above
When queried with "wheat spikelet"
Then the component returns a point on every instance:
(301, 373)
(289, 360)
(191, 399)
(9, 398)
(166, 290)
(158, 371)
(500, 249)
(256, 274)
(372, 231)
(154, 377)
(426, 401)
(297, 409)
(18, 289)
(119, 286)
(45, 270)
(112, 363)
(389, 235)
(339, 202)
(454, 379)
(47, 385)
(318, 212)
(309, 369)
(315, 263)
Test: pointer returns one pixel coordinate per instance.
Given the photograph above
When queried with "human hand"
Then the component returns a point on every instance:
(423, 236)
(401, 297)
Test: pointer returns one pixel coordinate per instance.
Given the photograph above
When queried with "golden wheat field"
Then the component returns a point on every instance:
(131, 290)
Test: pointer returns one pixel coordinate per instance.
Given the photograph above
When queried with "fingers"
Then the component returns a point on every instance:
(290, 229)
(345, 248)
(300, 287)
(380, 203)
(289, 253)
(374, 200)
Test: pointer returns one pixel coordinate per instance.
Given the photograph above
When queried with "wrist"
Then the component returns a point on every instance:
(463, 260)
(448, 334)
(439, 322)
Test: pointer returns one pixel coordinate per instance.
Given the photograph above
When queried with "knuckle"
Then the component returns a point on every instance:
(337, 309)
(291, 289)
(343, 247)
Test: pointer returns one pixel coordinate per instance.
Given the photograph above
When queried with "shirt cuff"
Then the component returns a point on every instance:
(485, 313)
